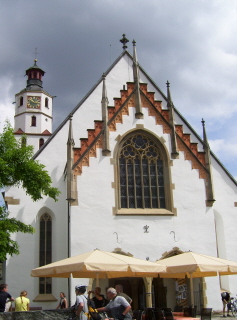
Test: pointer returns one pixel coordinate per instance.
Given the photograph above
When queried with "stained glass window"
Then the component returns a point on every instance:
(45, 253)
(141, 173)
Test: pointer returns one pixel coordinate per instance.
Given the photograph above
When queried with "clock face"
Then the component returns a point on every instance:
(33, 102)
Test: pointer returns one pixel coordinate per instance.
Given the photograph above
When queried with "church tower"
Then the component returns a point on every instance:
(33, 109)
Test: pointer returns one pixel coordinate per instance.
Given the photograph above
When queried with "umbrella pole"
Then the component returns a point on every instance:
(97, 279)
(191, 289)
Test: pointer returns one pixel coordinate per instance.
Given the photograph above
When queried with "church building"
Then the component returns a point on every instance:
(135, 178)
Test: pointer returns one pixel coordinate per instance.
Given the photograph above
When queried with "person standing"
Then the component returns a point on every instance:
(81, 307)
(63, 301)
(98, 301)
(4, 295)
(225, 297)
(22, 303)
(119, 289)
(118, 306)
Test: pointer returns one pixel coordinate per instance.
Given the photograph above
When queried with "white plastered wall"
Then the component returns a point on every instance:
(93, 224)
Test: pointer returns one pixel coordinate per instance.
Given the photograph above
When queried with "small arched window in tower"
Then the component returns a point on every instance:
(45, 251)
(21, 101)
(41, 142)
(23, 141)
(33, 121)
(141, 173)
(46, 102)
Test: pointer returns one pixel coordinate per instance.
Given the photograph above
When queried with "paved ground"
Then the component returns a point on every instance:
(220, 317)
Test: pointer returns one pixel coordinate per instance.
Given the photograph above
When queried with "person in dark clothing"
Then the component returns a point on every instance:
(4, 295)
(225, 297)
(98, 301)
(63, 301)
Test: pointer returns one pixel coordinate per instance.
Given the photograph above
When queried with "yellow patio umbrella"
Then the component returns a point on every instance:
(99, 264)
(196, 265)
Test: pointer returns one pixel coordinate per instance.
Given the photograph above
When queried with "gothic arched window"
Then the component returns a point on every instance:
(33, 121)
(45, 251)
(41, 142)
(141, 173)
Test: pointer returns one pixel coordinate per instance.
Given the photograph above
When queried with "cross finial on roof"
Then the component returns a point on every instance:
(203, 123)
(124, 40)
(36, 53)
(167, 84)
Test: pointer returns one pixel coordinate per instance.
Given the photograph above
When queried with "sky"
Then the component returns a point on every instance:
(190, 43)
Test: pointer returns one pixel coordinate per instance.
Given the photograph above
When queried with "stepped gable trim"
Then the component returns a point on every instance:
(116, 113)
(189, 148)
(83, 155)
(188, 125)
(77, 166)
(202, 142)
(190, 152)
(125, 52)
(158, 111)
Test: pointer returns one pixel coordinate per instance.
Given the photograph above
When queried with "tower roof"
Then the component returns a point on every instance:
(35, 75)
(35, 67)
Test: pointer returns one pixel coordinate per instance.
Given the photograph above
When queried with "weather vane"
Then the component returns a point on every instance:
(124, 40)
(36, 53)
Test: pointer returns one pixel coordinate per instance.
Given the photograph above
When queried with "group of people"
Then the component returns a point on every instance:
(118, 304)
(22, 303)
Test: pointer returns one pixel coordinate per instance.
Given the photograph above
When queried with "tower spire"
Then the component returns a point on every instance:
(70, 159)
(136, 79)
(170, 107)
(204, 133)
(104, 107)
(209, 184)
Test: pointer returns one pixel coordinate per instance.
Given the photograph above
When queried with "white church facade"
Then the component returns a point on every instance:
(134, 178)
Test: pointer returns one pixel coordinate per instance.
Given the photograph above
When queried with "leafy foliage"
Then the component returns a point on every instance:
(7, 227)
(19, 169)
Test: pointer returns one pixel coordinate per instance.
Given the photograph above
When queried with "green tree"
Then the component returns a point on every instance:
(7, 227)
(18, 168)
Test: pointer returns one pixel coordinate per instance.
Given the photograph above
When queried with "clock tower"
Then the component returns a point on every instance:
(33, 109)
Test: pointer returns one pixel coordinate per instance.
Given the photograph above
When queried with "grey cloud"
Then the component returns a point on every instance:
(190, 43)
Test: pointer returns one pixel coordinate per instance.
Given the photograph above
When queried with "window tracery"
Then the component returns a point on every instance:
(141, 173)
